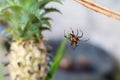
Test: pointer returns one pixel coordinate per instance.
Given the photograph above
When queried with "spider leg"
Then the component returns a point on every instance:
(74, 47)
(65, 35)
(72, 31)
(77, 32)
(81, 34)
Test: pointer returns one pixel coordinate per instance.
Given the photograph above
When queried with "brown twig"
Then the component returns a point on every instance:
(99, 9)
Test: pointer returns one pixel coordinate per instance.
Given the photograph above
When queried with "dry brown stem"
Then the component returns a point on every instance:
(99, 8)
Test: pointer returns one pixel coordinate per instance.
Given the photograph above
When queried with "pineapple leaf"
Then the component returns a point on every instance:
(23, 21)
(3, 4)
(46, 18)
(44, 28)
(32, 29)
(30, 6)
(11, 12)
(34, 18)
(26, 4)
(26, 18)
(43, 3)
(52, 10)
(46, 22)
(11, 2)
(57, 59)
(49, 10)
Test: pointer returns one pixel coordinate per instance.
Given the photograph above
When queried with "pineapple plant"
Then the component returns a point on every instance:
(26, 21)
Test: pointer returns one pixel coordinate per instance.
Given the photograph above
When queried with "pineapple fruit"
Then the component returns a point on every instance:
(26, 20)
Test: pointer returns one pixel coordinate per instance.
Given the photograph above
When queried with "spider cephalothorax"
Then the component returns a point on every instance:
(74, 38)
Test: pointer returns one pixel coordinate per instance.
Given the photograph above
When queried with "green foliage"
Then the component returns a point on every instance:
(42, 3)
(26, 18)
(59, 55)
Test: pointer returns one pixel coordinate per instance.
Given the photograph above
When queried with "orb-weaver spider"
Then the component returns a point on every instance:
(74, 38)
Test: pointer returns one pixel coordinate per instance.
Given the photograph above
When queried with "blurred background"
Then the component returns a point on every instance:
(102, 31)
(96, 59)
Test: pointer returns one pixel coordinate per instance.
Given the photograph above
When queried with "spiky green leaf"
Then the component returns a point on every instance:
(42, 3)
(26, 18)
(59, 55)
(46, 18)
(44, 28)
(49, 10)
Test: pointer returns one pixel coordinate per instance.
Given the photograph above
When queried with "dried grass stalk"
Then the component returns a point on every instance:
(99, 8)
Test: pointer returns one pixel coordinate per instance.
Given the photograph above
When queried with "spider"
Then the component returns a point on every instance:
(74, 38)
